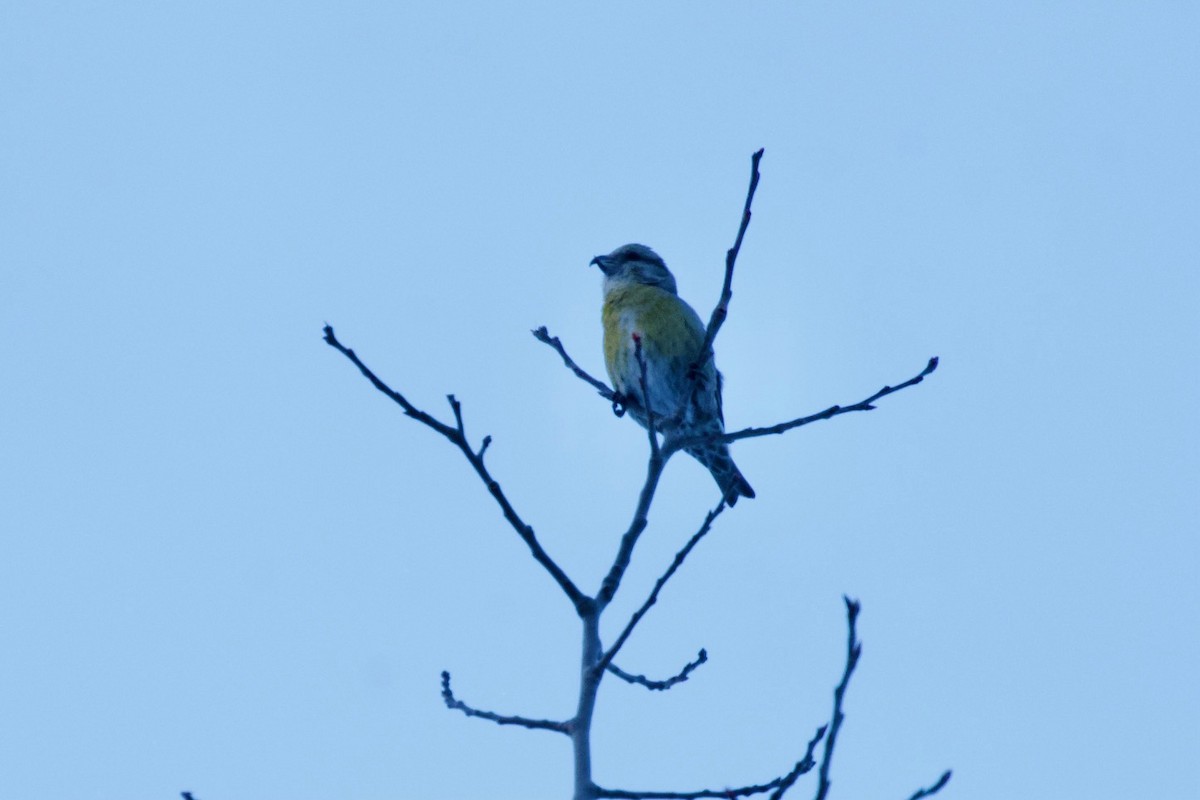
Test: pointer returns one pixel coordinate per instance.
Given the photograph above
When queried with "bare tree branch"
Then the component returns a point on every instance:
(932, 790)
(543, 335)
(409, 408)
(660, 686)
(674, 445)
(595, 660)
(802, 766)
(608, 656)
(853, 651)
(612, 580)
(500, 719)
(458, 437)
(717, 319)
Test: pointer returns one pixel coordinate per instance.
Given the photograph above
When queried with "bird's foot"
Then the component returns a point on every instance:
(620, 404)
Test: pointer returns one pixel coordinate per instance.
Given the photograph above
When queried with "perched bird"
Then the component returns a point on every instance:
(640, 299)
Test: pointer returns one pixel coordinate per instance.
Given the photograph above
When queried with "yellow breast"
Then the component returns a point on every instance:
(670, 330)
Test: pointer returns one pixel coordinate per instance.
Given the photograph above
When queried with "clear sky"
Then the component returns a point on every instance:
(230, 566)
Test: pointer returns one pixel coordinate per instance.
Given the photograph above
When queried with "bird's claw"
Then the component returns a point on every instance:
(620, 404)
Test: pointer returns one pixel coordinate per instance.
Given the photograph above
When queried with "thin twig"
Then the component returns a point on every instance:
(802, 766)
(717, 318)
(934, 789)
(674, 445)
(409, 408)
(853, 651)
(456, 407)
(660, 686)
(543, 335)
(607, 658)
(500, 719)
(641, 361)
(457, 436)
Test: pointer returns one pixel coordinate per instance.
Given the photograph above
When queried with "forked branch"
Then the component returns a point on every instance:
(597, 661)
(853, 652)
(676, 562)
(458, 437)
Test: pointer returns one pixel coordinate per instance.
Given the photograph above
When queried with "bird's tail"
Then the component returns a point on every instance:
(733, 484)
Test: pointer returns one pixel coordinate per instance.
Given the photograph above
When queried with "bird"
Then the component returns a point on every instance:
(642, 303)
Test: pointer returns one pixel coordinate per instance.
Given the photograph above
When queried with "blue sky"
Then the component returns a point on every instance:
(230, 566)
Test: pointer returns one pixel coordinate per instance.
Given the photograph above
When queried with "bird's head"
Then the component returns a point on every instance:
(636, 263)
